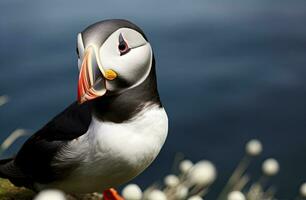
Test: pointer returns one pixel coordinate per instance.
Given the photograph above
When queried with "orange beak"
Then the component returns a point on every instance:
(91, 80)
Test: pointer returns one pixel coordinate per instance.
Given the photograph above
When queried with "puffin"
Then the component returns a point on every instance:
(112, 132)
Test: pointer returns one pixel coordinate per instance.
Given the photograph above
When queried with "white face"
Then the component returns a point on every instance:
(125, 52)
(132, 64)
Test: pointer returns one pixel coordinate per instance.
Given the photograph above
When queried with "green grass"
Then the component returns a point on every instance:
(9, 192)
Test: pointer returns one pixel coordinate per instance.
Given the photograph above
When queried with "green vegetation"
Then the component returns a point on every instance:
(9, 192)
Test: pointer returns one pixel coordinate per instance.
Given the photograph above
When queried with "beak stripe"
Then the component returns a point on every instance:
(86, 90)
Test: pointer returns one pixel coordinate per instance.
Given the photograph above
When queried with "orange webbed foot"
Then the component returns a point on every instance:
(111, 194)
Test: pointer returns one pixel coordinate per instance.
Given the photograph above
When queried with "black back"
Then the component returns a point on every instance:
(35, 157)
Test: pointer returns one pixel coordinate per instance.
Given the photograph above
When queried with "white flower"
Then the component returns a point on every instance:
(303, 190)
(181, 192)
(156, 195)
(171, 180)
(235, 195)
(196, 197)
(3, 99)
(202, 173)
(132, 192)
(185, 166)
(270, 167)
(12, 138)
(253, 147)
(50, 194)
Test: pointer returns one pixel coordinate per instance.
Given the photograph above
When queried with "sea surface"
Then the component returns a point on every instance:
(228, 71)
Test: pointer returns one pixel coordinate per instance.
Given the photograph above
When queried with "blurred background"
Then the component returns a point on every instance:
(227, 72)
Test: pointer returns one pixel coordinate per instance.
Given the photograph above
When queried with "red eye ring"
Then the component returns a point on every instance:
(123, 48)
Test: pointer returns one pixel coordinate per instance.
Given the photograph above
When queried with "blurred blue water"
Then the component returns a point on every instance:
(227, 72)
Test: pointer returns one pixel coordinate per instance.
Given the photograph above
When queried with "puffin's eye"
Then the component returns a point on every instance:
(123, 46)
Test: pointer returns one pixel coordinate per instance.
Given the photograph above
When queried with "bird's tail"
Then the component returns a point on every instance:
(8, 170)
(4, 161)
(4, 167)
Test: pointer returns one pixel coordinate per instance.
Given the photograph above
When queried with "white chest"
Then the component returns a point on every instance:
(114, 153)
(136, 142)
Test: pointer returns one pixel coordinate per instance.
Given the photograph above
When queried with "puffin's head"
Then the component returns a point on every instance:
(113, 55)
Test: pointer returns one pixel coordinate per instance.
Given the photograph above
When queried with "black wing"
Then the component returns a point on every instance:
(35, 156)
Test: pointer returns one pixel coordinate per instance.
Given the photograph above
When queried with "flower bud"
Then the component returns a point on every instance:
(270, 167)
(235, 195)
(132, 192)
(50, 194)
